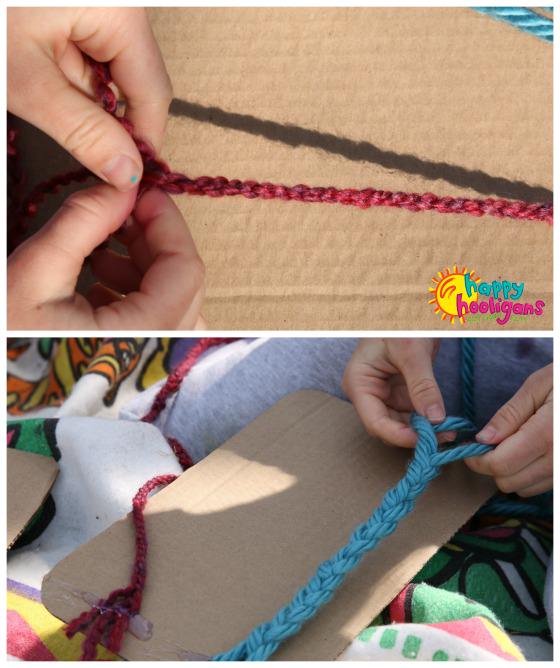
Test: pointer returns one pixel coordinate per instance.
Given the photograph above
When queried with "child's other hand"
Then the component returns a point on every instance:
(49, 83)
(522, 431)
(387, 379)
(159, 285)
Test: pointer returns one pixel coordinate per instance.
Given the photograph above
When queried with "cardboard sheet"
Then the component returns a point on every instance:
(441, 100)
(29, 480)
(234, 537)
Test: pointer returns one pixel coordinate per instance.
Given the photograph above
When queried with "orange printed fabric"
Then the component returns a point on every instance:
(42, 373)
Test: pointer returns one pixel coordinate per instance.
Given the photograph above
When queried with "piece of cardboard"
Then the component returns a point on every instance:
(442, 100)
(29, 479)
(234, 537)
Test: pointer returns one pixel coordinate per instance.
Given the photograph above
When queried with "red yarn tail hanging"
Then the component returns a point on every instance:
(108, 619)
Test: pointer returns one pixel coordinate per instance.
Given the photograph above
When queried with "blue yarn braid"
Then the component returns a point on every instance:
(397, 503)
(522, 18)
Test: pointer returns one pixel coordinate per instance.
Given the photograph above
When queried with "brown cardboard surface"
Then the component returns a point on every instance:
(29, 479)
(441, 100)
(235, 536)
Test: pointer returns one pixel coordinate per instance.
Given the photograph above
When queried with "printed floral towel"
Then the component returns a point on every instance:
(85, 376)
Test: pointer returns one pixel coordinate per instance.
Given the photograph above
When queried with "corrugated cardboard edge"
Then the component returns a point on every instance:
(29, 479)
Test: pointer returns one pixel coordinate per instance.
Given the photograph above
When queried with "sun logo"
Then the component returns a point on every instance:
(449, 283)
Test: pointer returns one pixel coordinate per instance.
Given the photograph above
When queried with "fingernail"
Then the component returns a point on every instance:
(434, 413)
(122, 172)
(487, 434)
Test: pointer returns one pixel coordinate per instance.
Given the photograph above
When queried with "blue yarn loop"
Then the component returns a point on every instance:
(522, 18)
(397, 503)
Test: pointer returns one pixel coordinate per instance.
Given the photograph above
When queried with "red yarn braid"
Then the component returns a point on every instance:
(157, 174)
(15, 181)
(108, 620)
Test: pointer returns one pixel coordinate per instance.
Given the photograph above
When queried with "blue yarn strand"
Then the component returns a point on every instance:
(539, 507)
(397, 503)
(522, 18)
(467, 377)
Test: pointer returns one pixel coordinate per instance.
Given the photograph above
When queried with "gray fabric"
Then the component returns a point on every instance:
(230, 387)
(501, 367)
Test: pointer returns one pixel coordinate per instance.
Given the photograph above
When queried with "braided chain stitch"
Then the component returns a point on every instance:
(157, 174)
(397, 503)
(109, 619)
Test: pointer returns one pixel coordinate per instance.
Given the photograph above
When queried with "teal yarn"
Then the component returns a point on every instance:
(522, 18)
(397, 503)
(467, 377)
(539, 507)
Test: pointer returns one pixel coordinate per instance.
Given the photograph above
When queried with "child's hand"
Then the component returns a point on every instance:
(49, 83)
(522, 462)
(158, 286)
(386, 379)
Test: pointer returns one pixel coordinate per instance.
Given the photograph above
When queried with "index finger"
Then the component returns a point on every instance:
(137, 68)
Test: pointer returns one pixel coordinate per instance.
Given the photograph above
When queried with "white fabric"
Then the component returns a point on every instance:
(103, 464)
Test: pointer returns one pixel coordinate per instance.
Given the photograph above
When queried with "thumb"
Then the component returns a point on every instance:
(515, 412)
(45, 268)
(81, 127)
(414, 361)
